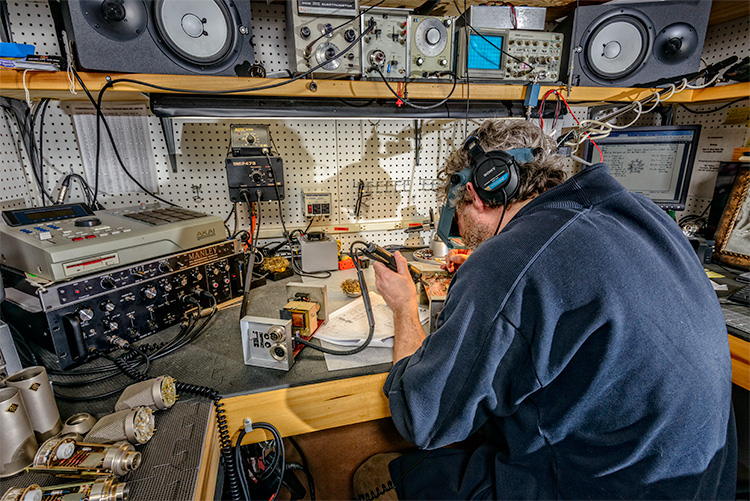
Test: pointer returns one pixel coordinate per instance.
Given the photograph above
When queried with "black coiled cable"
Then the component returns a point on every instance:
(225, 441)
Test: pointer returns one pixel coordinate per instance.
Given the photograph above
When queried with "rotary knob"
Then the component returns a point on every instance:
(443, 62)
(256, 177)
(107, 306)
(183, 281)
(112, 325)
(108, 283)
(198, 276)
(166, 286)
(350, 35)
(148, 292)
(88, 222)
(419, 61)
(85, 314)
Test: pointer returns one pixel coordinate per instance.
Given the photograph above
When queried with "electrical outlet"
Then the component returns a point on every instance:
(362, 227)
(398, 226)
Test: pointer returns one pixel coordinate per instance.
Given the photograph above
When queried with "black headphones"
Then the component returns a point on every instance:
(495, 173)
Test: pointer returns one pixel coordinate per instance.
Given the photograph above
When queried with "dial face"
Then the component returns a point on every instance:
(430, 37)
(246, 138)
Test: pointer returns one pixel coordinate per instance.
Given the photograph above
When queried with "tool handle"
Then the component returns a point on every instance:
(376, 252)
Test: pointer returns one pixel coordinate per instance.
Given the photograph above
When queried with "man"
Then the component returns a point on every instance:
(581, 344)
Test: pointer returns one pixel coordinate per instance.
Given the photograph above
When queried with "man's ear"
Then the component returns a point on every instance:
(476, 201)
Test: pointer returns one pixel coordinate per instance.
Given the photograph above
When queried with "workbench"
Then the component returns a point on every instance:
(306, 399)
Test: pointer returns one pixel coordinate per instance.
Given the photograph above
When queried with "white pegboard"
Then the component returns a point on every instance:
(31, 23)
(15, 191)
(726, 39)
(324, 155)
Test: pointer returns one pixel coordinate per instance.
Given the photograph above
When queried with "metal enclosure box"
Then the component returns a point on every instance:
(497, 16)
(318, 25)
(386, 46)
(318, 255)
(430, 46)
(267, 342)
(528, 56)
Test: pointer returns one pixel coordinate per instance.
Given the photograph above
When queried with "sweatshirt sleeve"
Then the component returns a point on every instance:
(463, 372)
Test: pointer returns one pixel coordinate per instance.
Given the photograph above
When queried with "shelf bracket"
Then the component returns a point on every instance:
(167, 127)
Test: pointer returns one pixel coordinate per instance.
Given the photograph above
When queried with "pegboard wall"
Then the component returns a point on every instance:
(319, 155)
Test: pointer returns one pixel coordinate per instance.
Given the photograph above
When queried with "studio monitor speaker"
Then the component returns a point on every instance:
(160, 36)
(631, 44)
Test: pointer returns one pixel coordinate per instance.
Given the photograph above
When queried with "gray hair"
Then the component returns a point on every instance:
(536, 177)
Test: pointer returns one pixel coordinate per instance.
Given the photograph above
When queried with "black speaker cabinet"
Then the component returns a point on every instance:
(181, 37)
(631, 44)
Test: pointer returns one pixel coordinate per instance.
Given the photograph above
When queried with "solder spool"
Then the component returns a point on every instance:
(157, 394)
(39, 400)
(16, 434)
(66, 456)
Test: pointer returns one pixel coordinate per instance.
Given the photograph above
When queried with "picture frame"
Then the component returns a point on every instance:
(733, 233)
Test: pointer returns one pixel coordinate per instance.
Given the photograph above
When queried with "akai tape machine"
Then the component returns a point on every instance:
(65, 241)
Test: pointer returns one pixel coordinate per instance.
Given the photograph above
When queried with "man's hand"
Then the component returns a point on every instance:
(400, 295)
(455, 259)
(397, 289)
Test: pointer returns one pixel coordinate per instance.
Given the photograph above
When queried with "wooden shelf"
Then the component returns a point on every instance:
(55, 85)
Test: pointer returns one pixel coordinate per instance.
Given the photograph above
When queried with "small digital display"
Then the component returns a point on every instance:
(48, 214)
(485, 52)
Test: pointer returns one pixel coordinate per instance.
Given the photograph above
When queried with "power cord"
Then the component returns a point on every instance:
(368, 309)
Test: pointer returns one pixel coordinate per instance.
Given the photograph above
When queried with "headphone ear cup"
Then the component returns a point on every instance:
(495, 174)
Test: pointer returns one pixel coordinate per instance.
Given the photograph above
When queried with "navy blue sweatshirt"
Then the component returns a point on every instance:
(588, 345)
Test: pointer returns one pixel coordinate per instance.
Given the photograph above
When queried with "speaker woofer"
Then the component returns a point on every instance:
(116, 19)
(196, 30)
(617, 46)
(675, 43)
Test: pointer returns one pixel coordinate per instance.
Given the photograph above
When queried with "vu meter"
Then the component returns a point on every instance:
(250, 140)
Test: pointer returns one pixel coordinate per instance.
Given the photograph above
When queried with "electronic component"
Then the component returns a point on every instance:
(316, 36)
(72, 318)
(248, 140)
(135, 425)
(316, 203)
(16, 434)
(318, 255)
(37, 395)
(304, 317)
(377, 253)
(101, 489)
(315, 293)
(248, 175)
(64, 241)
(157, 394)
(509, 55)
(267, 342)
(430, 49)
(386, 45)
(66, 457)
